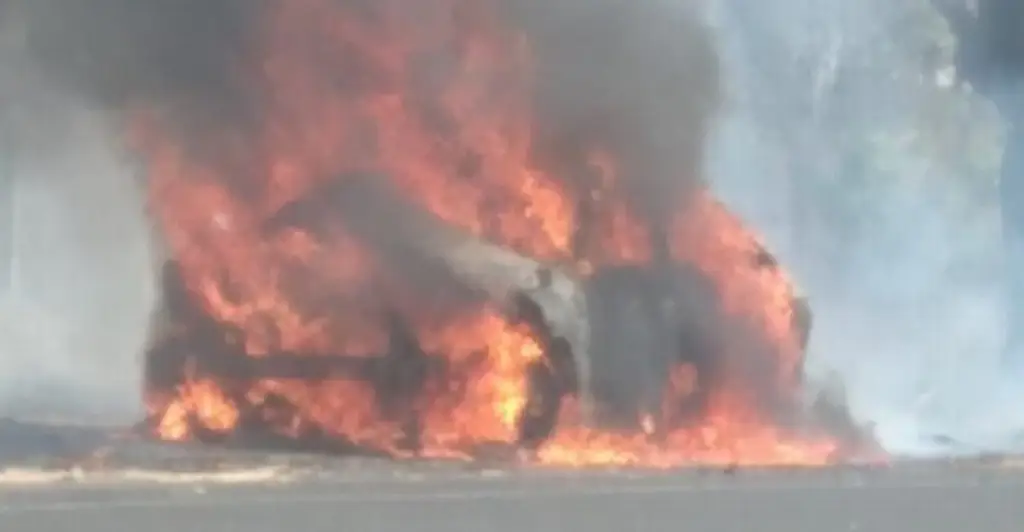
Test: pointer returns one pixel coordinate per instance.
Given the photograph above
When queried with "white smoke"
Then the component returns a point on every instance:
(873, 176)
(76, 276)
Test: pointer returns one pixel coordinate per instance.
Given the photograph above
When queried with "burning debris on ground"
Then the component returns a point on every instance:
(437, 227)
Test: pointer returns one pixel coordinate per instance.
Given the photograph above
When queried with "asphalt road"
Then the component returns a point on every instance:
(932, 498)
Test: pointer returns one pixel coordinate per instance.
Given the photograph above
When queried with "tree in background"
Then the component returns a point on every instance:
(990, 57)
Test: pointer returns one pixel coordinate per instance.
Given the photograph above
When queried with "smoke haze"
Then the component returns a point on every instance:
(838, 144)
(75, 285)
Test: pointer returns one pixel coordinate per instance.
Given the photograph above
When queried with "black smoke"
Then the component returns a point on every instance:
(635, 77)
(120, 51)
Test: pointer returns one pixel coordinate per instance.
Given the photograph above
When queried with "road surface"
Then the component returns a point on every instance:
(932, 498)
(57, 479)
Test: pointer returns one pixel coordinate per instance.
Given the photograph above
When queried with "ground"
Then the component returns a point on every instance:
(74, 484)
(935, 500)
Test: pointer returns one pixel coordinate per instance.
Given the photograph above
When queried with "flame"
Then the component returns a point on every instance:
(437, 97)
(202, 400)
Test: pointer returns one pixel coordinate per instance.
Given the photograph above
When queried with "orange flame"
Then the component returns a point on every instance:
(437, 97)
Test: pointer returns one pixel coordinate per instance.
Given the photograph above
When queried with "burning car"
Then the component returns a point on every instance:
(444, 227)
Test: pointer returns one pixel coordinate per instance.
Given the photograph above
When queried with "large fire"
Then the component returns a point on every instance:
(435, 95)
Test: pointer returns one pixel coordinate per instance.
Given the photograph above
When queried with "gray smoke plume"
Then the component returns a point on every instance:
(77, 257)
(118, 52)
(78, 254)
(872, 170)
(76, 287)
